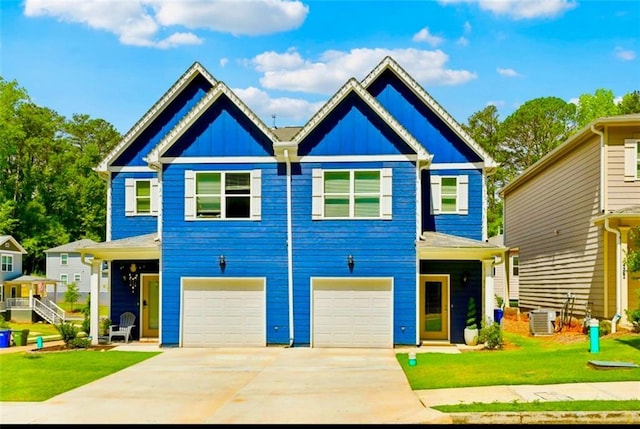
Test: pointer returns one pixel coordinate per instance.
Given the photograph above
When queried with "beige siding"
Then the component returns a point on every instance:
(619, 194)
(560, 251)
(498, 281)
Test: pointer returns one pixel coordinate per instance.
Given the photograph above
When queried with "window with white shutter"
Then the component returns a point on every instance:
(631, 160)
(450, 194)
(141, 197)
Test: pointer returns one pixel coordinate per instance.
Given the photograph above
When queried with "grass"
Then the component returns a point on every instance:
(34, 377)
(534, 362)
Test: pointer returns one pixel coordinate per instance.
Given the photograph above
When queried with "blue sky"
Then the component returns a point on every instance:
(112, 59)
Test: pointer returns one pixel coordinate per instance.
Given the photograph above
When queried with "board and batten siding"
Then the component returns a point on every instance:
(619, 193)
(560, 250)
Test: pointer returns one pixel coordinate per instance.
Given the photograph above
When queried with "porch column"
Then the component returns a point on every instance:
(94, 320)
(622, 295)
(489, 294)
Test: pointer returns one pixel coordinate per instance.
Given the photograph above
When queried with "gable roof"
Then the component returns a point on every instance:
(8, 240)
(153, 158)
(353, 87)
(568, 145)
(192, 72)
(389, 63)
(71, 247)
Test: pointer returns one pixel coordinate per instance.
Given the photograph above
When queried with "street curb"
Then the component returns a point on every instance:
(552, 417)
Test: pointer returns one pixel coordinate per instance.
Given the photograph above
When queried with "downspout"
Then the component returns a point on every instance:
(289, 248)
(616, 318)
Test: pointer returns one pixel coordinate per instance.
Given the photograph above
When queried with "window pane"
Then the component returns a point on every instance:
(208, 206)
(143, 188)
(448, 186)
(367, 207)
(238, 207)
(237, 183)
(143, 205)
(448, 204)
(208, 183)
(336, 182)
(336, 207)
(367, 182)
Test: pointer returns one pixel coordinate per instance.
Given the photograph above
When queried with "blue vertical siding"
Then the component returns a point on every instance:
(408, 109)
(128, 226)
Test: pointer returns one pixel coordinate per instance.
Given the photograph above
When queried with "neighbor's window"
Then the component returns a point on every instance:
(64, 259)
(223, 195)
(64, 279)
(6, 263)
(516, 265)
(76, 277)
(352, 194)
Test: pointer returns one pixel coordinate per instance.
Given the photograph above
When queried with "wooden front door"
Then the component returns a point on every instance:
(434, 307)
(150, 306)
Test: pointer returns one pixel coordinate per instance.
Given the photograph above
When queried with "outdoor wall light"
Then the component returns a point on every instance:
(222, 262)
(350, 262)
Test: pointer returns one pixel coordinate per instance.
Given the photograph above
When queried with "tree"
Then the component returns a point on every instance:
(597, 105)
(534, 129)
(630, 103)
(632, 258)
(72, 294)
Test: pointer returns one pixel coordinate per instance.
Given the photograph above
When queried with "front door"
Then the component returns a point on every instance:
(434, 307)
(150, 306)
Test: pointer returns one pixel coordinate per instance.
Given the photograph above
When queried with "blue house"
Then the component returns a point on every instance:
(366, 227)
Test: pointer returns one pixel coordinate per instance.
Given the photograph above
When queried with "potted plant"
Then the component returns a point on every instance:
(498, 312)
(471, 329)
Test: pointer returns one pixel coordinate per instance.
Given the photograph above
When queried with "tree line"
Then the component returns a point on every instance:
(50, 194)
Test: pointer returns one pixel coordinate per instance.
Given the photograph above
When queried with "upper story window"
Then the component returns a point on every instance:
(64, 279)
(64, 259)
(6, 263)
(141, 197)
(214, 195)
(516, 265)
(449, 194)
(631, 160)
(352, 194)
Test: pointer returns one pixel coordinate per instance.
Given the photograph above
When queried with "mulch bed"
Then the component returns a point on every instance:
(64, 348)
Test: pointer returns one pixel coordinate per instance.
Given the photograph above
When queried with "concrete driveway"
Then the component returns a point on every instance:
(261, 385)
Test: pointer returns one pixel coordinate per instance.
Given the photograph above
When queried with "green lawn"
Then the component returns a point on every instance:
(535, 362)
(34, 377)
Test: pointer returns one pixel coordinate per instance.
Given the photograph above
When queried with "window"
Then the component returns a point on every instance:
(222, 195)
(76, 277)
(352, 194)
(449, 194)
(141, 197)
(6, 263)
(64, 259)
(516, 265)
(64, 279)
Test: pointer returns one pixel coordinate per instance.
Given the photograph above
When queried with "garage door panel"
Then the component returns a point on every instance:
(223, 313)
(352, 313)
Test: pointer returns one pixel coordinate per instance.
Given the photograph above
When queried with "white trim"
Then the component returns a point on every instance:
(306, 159)
(456, 166)
(139, 169)
(255, 201)
(64, 262)
(130, 198)
(189, 195)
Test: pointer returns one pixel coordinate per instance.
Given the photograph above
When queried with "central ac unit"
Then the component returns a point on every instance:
(541, 321)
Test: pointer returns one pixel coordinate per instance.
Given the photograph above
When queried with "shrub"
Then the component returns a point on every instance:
(491, 335)
(605, 327)
(105, 322)
(634, 318)
(67, 331)
(79, 343)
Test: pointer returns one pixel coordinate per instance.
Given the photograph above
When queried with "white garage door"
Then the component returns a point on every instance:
(223, 313)
(352, 313)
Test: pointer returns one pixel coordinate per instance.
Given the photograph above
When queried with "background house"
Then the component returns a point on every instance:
(365, 227)
(506, 275)
(64, 263)
(570, 215)
(10, 268)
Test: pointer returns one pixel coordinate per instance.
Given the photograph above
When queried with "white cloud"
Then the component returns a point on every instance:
(467, 27)
(521, 9)
(139, 22)
(624, 54)
(507, 72)
(291, 72)
(291, 110)
(462, 41)
(425, 36)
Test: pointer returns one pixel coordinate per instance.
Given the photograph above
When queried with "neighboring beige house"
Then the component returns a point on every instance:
(569, 217)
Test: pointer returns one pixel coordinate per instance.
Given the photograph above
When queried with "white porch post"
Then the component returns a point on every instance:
(489, 294)
(94, 321)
